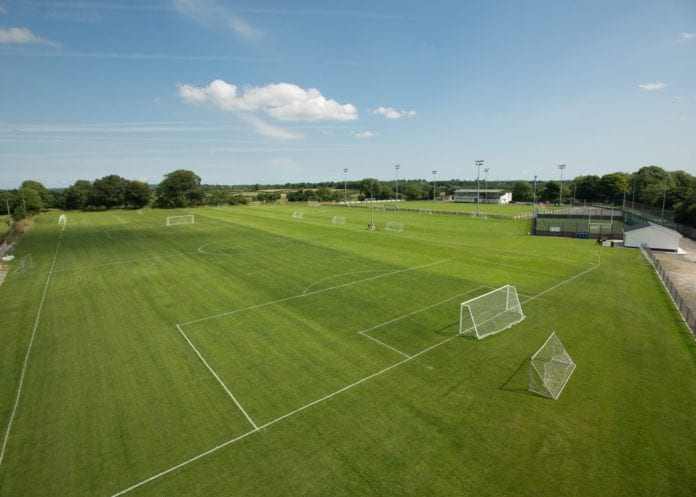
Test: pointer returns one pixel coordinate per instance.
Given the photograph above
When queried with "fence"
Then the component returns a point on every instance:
(483, 215)
(687, 312)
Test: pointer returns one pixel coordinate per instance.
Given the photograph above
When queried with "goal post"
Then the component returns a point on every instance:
(338, 220)
(187, 219)
(550, 368)
(394, 226)
(24, 263)
(490, 313)
(297, 215)
(62, 220)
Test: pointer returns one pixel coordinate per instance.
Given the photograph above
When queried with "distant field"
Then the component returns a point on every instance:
(266, 351)
(507, 209)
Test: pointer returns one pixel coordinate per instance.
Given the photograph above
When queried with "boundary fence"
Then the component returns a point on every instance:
(483, 215)
(686, 312)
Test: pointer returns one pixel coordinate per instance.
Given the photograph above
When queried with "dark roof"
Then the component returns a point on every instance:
(659, 227)
(637, 227)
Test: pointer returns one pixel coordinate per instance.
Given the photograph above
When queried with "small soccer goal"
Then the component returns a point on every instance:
(425, 211)
(62, 220)
(188, 219)
(550, 368)
(24, 263)
(394, 226)
(490, 313)
(338, 220)
(297, 215)
(599, 228)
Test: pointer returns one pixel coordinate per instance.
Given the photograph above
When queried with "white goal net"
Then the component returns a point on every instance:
(338, 220)
(62, 220)
(490, 313)
(550, 368)
(394, 226)
(24, 263)
(188, 219)
(599, 228)
(297, 215)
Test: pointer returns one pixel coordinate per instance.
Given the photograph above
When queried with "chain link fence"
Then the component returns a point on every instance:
(684, 309)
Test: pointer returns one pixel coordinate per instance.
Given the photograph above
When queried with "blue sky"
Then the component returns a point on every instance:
(275, 92)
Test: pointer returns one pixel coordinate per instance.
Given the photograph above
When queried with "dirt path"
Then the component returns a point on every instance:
(682, 270)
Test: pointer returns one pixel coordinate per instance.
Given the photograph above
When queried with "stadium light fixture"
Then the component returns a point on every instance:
(434, 183)
(560, 190)
(478, 163)
(396, 168)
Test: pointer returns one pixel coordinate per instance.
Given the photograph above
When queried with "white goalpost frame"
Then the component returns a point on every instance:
(338, 220)
(496, 317)
(599, 227)
(62, 220)
(550, 368)
(24, 263)
(186, 219)
(394, 226)
(297, 215)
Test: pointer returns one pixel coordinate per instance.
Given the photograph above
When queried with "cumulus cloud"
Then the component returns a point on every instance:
(391, 113)
(23, 36)
(687, 36)
(210, 13)
(281, 101)
(365, 135)
(653, 86)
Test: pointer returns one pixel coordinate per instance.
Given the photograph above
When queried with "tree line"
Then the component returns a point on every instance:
(650, 185)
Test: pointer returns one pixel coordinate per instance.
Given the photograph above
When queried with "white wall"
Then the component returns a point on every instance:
(655, 238)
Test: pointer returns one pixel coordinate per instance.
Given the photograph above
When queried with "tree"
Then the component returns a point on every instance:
(77, 195)
(612, 186)
(137, 194)
(44, 194)
(108, 192)
(180, 188)
(587, 188)
(651, 182)
(522, 191)
(28, 201)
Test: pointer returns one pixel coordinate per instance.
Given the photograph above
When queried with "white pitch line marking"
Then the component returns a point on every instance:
(346, 274)
(313, 403)
(26, 356)
(212, 371)
(384, 344)
(108, 234)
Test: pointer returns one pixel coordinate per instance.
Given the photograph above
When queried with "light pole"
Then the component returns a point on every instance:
(485, 181)
(633, 193)
(396, 168)
(534, 197)
(478, 163)
(434, 183)
(372, 206)
(345, 186)
(560, 190)
(664, 198)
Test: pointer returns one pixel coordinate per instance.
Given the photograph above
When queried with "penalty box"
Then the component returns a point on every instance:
(278, 357)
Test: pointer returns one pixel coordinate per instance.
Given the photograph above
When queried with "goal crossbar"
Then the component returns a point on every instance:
(187, 219)
(490, 313)
(550, 368)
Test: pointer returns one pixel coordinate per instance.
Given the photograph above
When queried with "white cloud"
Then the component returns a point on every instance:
(281, 101)
(687, 36)
(23, 36)
(3, 10)
(653, 86)
(391, 113)
(265, 129)
(365, 135)
(209, 12)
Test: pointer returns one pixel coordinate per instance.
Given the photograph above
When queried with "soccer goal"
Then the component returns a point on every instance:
(490, 313)
(338, 220)
(550, 368)
(62, 220)
(599, 228)
(297, 215)
(425, 211)
(188, 219)
(394, 226)
(23, 264)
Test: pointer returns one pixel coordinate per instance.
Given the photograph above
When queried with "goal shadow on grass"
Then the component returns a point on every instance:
(518, 382)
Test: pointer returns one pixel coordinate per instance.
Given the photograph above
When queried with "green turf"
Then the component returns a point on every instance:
(115, 392)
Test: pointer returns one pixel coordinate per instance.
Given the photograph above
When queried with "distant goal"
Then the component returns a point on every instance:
(490, 313)
(338, 220)
(394, 227)
(188, 219)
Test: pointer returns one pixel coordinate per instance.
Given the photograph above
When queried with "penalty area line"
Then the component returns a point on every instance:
(313, 403)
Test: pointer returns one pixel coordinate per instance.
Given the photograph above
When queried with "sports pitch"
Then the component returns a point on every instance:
(257, 353)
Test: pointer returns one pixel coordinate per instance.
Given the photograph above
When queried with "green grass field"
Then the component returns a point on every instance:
(253, 353)
(504, 209)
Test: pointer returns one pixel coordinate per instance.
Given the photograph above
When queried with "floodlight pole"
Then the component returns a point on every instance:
(345, 186)
(485, 180)
(534, 194)
(372, 206)
(478, 163)
(434, 183)
(633, 193)
(664, 198)
(560, 190)
(396, 168)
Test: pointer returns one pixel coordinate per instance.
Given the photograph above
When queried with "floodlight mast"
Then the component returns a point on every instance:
(485, 180)
(396, 168)
(560, 190)
(534, 195)
(345, 186)
(434, 183)
(478, 163)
